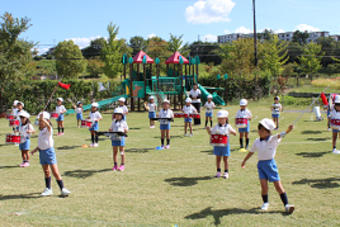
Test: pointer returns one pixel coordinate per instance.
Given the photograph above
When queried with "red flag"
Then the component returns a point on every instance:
(64, 86)
(324, 99)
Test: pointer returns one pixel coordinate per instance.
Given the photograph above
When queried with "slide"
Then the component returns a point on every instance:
(216, 98)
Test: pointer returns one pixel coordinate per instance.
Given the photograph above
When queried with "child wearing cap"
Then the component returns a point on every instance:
(60, 110)
(276, 109)
(14, 112)
(151, 107)
(209, 106)
(47, 155)
(222, 150)
(188, 109)
(78, 108)
(334, 118)
(122, 105)
(118, 125)
(165, 115)
(243, 116)
(266, 147)
(20, 108)
(94, 117)
(25, 131)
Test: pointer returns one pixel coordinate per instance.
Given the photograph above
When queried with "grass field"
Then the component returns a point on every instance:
(176, 186)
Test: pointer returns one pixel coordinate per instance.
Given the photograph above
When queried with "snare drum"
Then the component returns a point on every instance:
(219, 140)
(241, 122)
(10, 117)
(14, 123)
(196, 116)
(12, 139)
(335, 124)
(86, 124)
(180, 115)
(54, 115)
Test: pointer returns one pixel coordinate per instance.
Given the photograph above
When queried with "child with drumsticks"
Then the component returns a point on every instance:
(118, 142)
(165, 115)
(122, 105)
(25, 131)
(276, 109)
(94, 117)
(47, 155)
(188, 109)
(334, 118)
(60, 110)
(78, 108)
(151, 107)
(223, 128)
(209, 106)
(243, 116)
(266, 147)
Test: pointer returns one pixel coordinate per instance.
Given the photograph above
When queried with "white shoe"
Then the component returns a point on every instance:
(289, 208)
(92, 145)
(265, 206)
(95, 145)
(65, 192)
(47, 192)
(335, 151)
(186, 134)
(191, 135)
(226, 175)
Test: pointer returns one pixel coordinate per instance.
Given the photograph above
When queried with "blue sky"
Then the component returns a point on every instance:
(83, 20)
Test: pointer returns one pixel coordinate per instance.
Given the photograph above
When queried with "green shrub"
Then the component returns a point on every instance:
(290, 100)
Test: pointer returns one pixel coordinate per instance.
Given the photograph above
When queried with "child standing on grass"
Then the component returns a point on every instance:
(20, 108)
(60, 110)
(276, 109)
(14, 113)
(94, 117)
(334, 118)
(209, 106)
(188, 109)
(222, 128)
(122, 105)
(266, 147)
(151, 107)
(25, 131)
(47, 155)
(243, 117)
(78, 108)
(118, 142)
(166, 115)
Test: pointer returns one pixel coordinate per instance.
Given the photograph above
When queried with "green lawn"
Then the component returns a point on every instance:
(176, 186)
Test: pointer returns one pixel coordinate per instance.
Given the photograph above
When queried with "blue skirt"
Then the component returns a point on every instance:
(247, 129)
(152, 115)
(165, 126)
(95, 126)
(222, 151)
(188, 120)
(207, 114)
(79, 116)
(119, 142)
(25, 146)
(47, 157)
(276, 115)
(267, 170)
(60, 118)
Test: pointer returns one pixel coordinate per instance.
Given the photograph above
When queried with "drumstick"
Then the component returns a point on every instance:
(158, 118)
(109, 133)
(53, 92)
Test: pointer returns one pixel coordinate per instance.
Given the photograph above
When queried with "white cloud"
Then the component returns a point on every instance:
(83, 42)
(306, 27)
(279, 31)
(226, 31)
(41, 50)
(152, 35)
(209, 11)
(243, 30)
(210, 38)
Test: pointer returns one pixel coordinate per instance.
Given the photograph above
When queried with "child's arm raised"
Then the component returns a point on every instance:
(282, 134)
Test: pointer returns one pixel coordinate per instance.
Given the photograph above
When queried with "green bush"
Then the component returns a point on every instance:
(290, 100)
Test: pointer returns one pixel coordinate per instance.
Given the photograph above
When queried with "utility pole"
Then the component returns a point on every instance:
(255, 35)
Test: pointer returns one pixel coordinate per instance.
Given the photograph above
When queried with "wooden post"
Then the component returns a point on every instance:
(225, 91)
(197, 72)
(157, 74)
(182, 88)
(131, 89)
(144, 72)
(124, 71)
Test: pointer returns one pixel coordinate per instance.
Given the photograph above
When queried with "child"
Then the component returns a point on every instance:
(165, 112)
(243, 115)
(151, 107)
(334, 118)
(222, 128)
(266, 147)
(14, 113)
(95, 117)
(79, 111)
(118, 125)
(209, 106)
(47, 155)
(121, 102)
(60, 110)
(25, 131)
(188, 109)
(276, 109)
(329, 108)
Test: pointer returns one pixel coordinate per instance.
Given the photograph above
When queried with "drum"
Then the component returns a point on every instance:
(219, 140)
(195, 116)
(54, 115)
(12, 139)
(86, 124)
(241, 122)
(180, 115)
(10, 117)
(335, 124)
(14, 123)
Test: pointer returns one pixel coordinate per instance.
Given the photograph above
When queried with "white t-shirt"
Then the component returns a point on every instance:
(45, 139)
(165, 114)
(60, 109)
(243, 114)
(24, 135)
(335, 119)
(79, 110)
(276, 108)
(119, 126)
(222, 130)
(15, 112)
(209, 106)
(266, 149)
(152, 107)
(189, 109)
(125, 109)
(96, 116)
(194, 94)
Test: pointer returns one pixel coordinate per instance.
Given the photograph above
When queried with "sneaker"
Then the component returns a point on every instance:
(289, 208)
(191, 135)
(47, 192)
(22, 164)
(26, 164)
(265, 206)
(152, 126)
(218, 174)
(62, 134)
(167, 146)
(186, 134)
(59, 134)
(95, 145)
(121, 168)
(329, 129)
(335, 151)
(65, 192)
(115, 168)
(92, 145)
(226, 175)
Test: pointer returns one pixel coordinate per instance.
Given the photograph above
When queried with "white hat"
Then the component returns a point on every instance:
(151, 97)
(21, 103)
(45, 114)
(23, 113)
(337, 99)
(95, 104)
(60, 99)
(79, 102)
(15, 102)
(166, 101)
(188, 100)
(122, 99)
(243, 102)
(210, 97)
(277, 97)
(222, 114)
(118, 111)
(267, 123)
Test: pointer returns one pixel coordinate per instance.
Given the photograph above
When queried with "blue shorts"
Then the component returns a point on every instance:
(247, 129)
(328, 112)
(124, 117)
(268, 170)
(25, 146)
(47, 157)
(119, 143)
(60, 117)
(188, 120)
(222, 151)
(335, 130)
(152, 115)
(165, 126)
(95, 126)
(79, 116)
(275, 115)
(207, 114)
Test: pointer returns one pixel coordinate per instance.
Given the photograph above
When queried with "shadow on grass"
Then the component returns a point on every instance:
(211, 151)
(79, 173)
(5, 145)
(9, 167)
(311, 132)
(20, 196)
(139, 150)
(100, 139)
(171, 137)
(326, 183)
(186, 181)
(134, 128)
(218, 214)
(68, 147)
(312, 154)
(318, 139)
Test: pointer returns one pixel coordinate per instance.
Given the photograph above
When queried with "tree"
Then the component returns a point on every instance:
(137, 43)
(95, 48)
(329, 47)
(206, 52)
(158, 47)
(69, 59)
(176, 43)
(95, 67)
(310, 61)
(300, 37)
